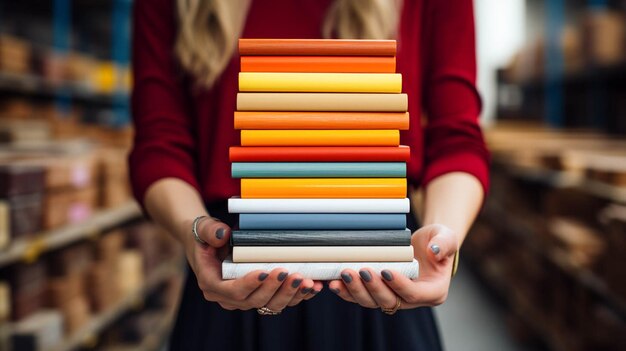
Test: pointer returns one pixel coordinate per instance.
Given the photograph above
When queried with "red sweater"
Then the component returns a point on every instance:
(185, 133)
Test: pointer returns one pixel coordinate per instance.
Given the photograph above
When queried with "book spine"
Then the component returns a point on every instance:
(237, 205)
(321, 82)
(328, 221)
(321, 120)
(321, 64)
(321, 237)
(319, 153)
(322, 254)
(319, 271)
(333, 188)
(322, 102)
(317, 47)
(318, 169)
(320, 137)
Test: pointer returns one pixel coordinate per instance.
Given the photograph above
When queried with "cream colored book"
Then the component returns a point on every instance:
(322, 254)
(322, 102)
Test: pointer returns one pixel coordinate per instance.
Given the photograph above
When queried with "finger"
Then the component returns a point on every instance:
(305, 290)
(339, 288)
(290, 287)
(271, 283)
(356, 288)
(380, 292)
(317, 288)
(214, 232)
(416, 293)
(239, 289)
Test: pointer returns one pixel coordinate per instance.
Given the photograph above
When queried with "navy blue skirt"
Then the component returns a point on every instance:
(323, 323)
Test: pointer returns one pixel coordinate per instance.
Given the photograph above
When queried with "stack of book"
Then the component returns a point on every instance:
(323, 175)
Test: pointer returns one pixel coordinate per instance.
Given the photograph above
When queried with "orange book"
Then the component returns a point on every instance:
(324, 188)
(319, 64)
(321, 120)
(350, 137)
(317, 47)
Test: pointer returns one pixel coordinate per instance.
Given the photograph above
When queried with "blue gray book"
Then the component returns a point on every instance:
(318, 170)
(319, 221)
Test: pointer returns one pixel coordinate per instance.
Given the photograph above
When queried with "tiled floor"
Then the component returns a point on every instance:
(470, 321)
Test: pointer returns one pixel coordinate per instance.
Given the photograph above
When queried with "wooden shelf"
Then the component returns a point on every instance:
(101, 321)
(29, 249)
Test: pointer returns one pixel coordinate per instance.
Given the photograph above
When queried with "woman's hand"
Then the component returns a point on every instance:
(434, 247)
(274, 290)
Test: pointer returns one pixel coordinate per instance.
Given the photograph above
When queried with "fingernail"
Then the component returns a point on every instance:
(220, 233)
(296, 283)
(282, 276)
(346, 277)
(336, 291)
(435, 248)
(262, 276)
(306, 290)
(387, 275)
(314, 292)
(365, 275)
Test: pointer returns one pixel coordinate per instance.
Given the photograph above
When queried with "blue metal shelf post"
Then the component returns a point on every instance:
(555, 17)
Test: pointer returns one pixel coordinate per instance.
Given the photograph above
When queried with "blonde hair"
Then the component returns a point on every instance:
(208, 29)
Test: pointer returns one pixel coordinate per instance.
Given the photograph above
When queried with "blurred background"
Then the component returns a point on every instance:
(543, 268)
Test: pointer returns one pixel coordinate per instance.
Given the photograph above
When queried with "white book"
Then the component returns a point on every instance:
(319, 270)
(238, 205)
(322, 254)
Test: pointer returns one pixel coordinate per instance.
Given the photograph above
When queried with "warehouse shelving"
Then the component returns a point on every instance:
(29, 249)
(101, 321)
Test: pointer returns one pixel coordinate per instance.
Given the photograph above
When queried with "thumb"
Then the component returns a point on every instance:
(214, 232)
(442, 241)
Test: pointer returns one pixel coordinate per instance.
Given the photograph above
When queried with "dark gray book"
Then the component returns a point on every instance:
(321, 237)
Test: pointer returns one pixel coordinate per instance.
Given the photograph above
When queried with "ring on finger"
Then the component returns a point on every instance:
(194, 229)
(265, 311)
(394, 309)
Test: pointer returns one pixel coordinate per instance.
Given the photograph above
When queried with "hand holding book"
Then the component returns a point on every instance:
(434, 247)
(274, 289)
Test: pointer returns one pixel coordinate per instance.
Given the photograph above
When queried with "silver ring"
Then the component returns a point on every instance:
(194, 229)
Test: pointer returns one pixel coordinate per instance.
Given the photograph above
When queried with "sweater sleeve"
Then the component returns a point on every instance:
(453, 138)
(164, 142)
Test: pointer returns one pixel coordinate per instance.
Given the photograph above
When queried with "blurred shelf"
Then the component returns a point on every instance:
(29, 249)
(101, 321)
(564, 179)
(506, 224)
(154, 341)
(32, 85)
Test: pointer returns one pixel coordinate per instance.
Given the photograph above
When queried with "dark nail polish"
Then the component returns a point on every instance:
(262, 276)
(306, 290)
(387, 275)
(296, 283)
(346, 277)
(282, 276)
(220, 233)
(365, 275)
(314, 292)
(336, 291)
(435, 248)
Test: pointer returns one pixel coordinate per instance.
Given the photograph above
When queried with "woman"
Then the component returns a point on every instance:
(185, 75)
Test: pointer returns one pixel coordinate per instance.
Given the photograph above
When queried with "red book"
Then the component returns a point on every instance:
(319, 153)
(317, 47)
